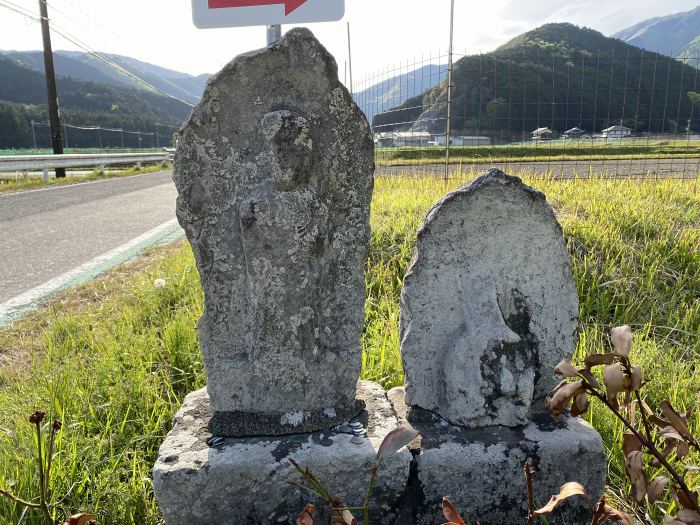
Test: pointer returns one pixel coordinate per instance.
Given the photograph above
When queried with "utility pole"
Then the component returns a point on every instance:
(54, 119)
(448, 124)
(349, 60)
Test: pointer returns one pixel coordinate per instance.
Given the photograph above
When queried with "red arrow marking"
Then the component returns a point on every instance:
(289, 5)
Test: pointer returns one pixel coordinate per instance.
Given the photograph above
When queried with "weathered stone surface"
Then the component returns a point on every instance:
(244, 480)
(274, 173)
(481, 470)
(489, 305)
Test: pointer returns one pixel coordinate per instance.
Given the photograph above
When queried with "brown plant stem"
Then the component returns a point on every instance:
(49, 458)
(530, 492)
(368, 494)
(649, 445)
(42, 479)
(16, 499)
(645, 421)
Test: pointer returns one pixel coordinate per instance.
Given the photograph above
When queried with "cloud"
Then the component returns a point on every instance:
(603, 15)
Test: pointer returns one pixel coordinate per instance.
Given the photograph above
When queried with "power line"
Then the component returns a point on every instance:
(116, 65)
(16, 9)
(76, 41)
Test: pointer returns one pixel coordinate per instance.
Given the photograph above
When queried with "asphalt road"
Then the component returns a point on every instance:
(45, 233)
(612, 168)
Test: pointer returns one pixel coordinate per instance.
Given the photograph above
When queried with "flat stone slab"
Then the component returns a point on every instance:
(245, 481)
(489, 305)
(481, 470)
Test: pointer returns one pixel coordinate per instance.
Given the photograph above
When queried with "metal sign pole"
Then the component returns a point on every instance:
(274, 33)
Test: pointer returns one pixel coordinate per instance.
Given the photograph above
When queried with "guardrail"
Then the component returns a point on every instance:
(46, 162)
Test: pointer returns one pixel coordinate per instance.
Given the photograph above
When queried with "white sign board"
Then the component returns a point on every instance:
(236, 13)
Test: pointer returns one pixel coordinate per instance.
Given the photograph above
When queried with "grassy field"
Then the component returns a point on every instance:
(11, 183)
(543, 151)
(115, 358)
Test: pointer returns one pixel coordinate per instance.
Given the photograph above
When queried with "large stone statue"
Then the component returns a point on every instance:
(274, 172)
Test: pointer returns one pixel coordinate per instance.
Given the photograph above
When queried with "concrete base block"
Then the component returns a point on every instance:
(481, 470)
(245, 480)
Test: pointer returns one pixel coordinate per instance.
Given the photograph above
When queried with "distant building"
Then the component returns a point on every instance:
(399, 139)
(542, 134)
(463, 140)
(573, 133)
(616, 132)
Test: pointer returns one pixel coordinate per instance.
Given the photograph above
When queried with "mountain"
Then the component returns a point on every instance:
(84, 66)
(383, 95)
(557, 76)
(84, 104)
(674, 35)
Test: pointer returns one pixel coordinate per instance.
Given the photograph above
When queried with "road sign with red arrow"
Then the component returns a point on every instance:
(233, 13)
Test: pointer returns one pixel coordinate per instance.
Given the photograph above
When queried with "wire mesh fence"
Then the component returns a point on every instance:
(101, 137)
(537, 110)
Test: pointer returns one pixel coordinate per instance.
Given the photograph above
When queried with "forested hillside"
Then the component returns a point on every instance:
(558, 76)
(23, 98)
(84, 66)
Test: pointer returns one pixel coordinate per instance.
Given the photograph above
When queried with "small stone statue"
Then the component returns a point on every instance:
(489, 305)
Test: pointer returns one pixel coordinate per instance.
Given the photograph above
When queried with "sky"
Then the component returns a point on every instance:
(384, 33)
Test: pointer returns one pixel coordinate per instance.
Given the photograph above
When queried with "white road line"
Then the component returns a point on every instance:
(28, 299)
(73, 185)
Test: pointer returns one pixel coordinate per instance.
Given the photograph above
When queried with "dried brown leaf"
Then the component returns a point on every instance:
(677, 421)
(81, 519)
(670, 520)
(670, 447)
(603, 512)
(661, 423)
(589, 377)
(682, 450)
(656, 488)
(599, 359)
(670, 433)
(580, 404)
(566, 369)
(565, 492)
(562, 397)
(635, 472)
(615, 380)
(637, 377)
(450, 512)
(630, 443)
(689, 517)
(395, 440)
(347, 518)
(686, 502)
(307, 515)
(621, 337)
(611, 514)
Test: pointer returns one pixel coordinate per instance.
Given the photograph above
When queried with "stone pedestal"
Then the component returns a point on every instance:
(245, 480)
(481, 470)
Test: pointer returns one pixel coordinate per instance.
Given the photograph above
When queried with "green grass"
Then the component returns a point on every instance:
(543, 151)
(115, 358)
(10, 184)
